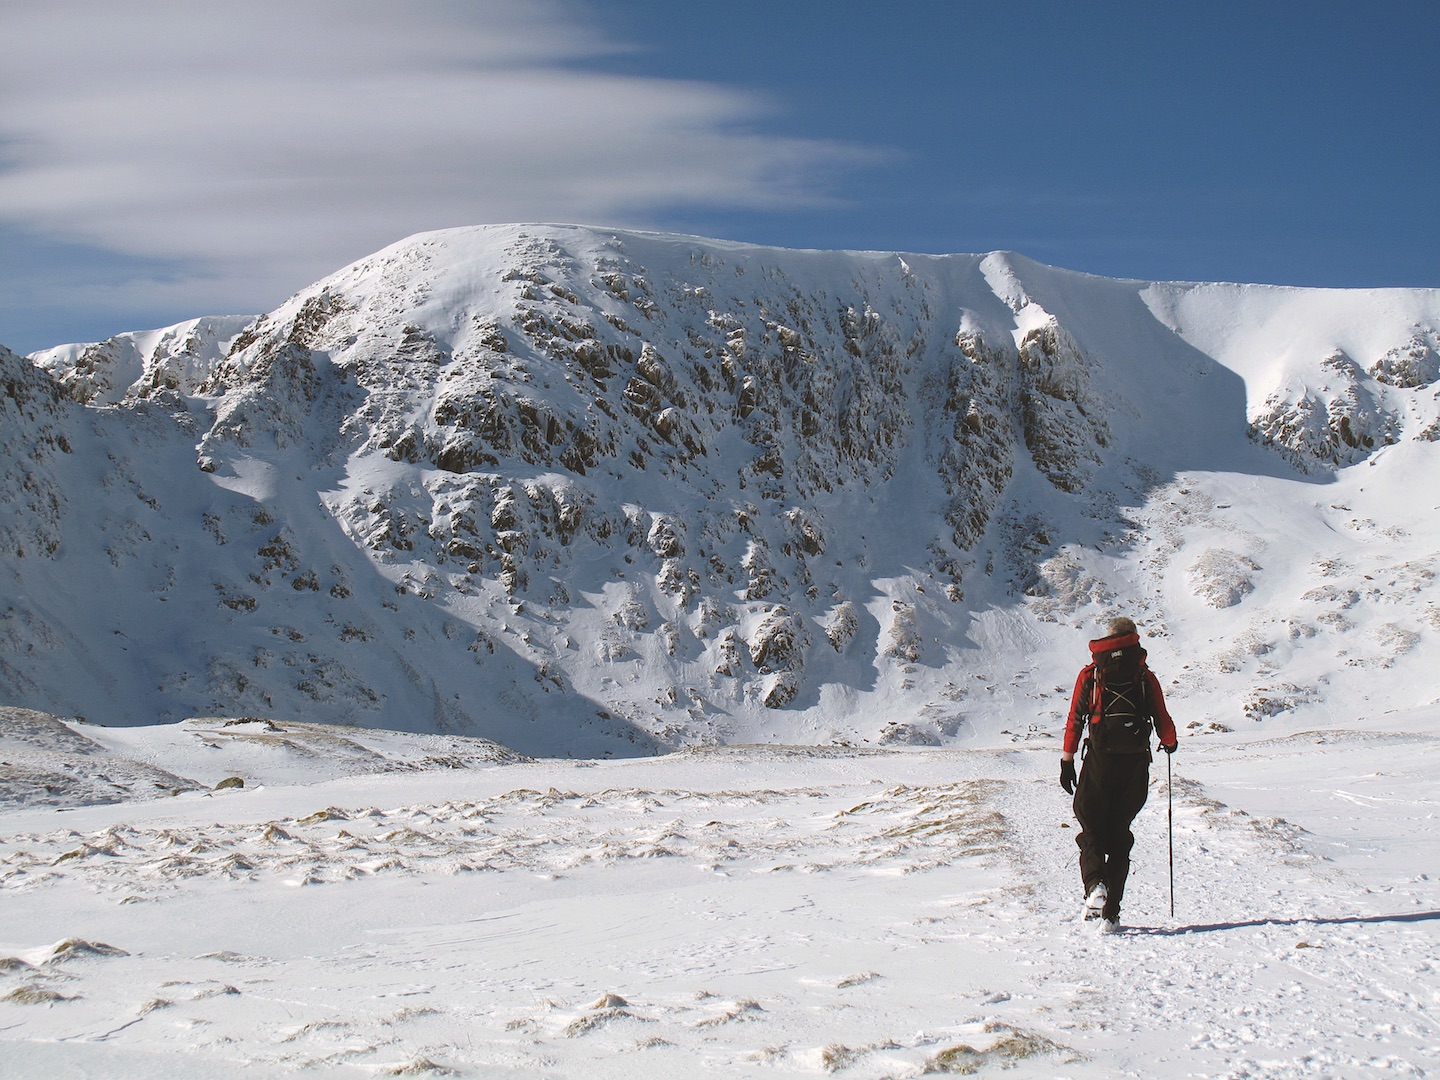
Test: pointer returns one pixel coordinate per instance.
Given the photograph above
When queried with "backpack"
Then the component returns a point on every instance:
(1120, 721)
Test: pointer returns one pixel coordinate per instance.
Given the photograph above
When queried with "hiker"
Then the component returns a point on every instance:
(1119, 697)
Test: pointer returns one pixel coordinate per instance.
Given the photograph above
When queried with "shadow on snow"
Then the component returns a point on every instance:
(1342, 920)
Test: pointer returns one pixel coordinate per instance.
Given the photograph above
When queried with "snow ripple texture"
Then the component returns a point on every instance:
(899, 830)
(732, 913)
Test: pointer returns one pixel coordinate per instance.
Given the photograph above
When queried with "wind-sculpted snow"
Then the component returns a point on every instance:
(899, 830)
(48, 762)
(731, 911)
(587, 492)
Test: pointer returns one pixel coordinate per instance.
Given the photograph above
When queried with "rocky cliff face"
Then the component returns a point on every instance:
(1348, 412)
(572, 489)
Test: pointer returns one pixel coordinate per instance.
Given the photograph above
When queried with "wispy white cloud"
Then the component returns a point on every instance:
(269, 141)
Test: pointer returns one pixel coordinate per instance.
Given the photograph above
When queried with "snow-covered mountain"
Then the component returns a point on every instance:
(587, 492)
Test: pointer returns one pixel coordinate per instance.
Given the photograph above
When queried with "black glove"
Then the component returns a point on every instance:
(1170, 748)
(1067, 775)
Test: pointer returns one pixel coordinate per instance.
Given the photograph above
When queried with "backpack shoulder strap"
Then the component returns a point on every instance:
(1097, 693)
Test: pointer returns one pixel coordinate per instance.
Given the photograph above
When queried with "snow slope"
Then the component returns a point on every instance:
(585, 492)
(748, 911)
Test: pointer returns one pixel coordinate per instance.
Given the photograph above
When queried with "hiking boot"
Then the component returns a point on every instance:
(1095, 901)
(1109, 926)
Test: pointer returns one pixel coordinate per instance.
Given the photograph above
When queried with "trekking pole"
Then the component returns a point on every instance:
(1170, 801)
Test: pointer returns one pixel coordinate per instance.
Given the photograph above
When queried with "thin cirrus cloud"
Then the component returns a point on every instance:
(265, 143)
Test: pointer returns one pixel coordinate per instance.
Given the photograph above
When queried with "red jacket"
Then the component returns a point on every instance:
(1080, 703)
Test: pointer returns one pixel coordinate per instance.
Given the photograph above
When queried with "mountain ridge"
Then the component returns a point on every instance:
(584, 490)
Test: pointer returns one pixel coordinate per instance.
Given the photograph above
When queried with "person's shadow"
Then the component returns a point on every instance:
(1343, 920)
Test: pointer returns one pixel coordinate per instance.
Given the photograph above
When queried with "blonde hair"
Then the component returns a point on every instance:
(1121, 625)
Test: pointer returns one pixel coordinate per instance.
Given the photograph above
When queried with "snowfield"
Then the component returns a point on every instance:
(744, 911)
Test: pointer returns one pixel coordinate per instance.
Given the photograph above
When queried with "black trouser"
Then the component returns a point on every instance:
(1111, 790)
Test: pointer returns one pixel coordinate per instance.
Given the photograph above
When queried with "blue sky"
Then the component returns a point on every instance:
(161, 159)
